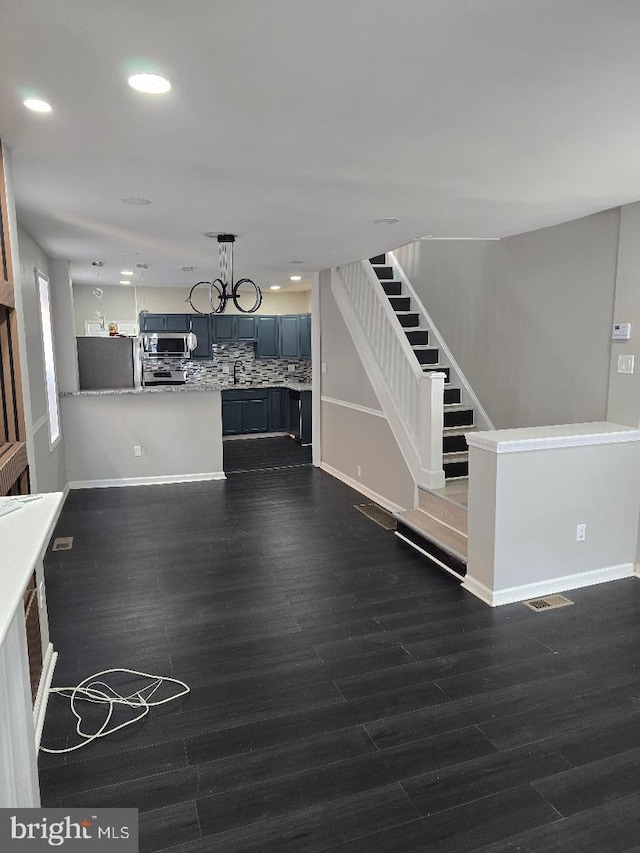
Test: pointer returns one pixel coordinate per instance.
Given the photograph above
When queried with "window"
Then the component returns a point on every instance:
(51, 382)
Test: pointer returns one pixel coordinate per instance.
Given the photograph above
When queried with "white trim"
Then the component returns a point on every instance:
(441, 344)
(513, 594)
(52, 396)
(37, 426)
(430, 556)
(522, 445)
(359, 487)
(376, 412)
(42, 697)
(146, 481)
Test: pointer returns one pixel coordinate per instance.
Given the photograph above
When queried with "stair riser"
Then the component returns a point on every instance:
(400, 303)
(459, 419)
(455, 469)
(431, 548)
(384, 272)
(427, 356)
(378, 259)
(452, 395)
(407, 321)
(418, 339)
(445, 511)
(392, 288)
(454, 443)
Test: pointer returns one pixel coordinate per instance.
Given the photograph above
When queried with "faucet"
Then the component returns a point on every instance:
(237, 364)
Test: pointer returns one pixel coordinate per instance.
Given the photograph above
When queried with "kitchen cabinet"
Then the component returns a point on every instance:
(164, 322)
(247, 410)
(224, 328)
(289, 336)
(305, 336)
(201, 328)
(152, 322)
(300, 415)
(246, 328)
(267, 337)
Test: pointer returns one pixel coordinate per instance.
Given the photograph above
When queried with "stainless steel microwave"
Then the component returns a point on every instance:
(168, 344)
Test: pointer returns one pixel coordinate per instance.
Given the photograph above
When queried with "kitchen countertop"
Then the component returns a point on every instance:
(182, 389)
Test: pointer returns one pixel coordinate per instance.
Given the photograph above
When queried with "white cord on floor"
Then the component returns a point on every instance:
(87, 690)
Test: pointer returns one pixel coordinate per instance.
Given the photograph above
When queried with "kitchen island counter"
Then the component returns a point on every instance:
(188, 387)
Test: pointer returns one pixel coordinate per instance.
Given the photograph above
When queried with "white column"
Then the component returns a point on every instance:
(431, 426)
(63, 325)
(316, 368)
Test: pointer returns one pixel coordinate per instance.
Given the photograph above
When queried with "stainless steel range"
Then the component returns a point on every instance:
(153, 375)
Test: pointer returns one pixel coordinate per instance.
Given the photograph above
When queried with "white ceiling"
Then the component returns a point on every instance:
(296, 123)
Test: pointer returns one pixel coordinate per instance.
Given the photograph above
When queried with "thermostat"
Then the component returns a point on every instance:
(621, 331)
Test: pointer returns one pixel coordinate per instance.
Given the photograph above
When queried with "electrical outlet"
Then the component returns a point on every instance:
(137, 450)
(226, 369)
(626, 363)
(359, 470)
(581, 532)
(291, 368)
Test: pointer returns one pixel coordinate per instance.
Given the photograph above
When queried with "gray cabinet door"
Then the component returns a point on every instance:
(176, 322)
(305, 336)
(256, 415)
(224, 328)
(267, 337)
(152, 322)
(276, 416)
(232, 417)
(290, 336)
(246, 328)
(201, 328)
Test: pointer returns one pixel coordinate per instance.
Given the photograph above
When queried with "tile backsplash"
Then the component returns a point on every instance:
(256, 371)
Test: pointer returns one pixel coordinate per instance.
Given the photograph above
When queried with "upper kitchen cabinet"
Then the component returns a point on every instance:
(201, 328)
(233, 328)
(164, 322)
(152, 322)
(267, 337)
(290, 336)
(246, 328)
(305, 336)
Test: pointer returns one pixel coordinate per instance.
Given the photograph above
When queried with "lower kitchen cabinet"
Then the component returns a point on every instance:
(256, 416)
(276, 409)
(232, 416)
(251, 410)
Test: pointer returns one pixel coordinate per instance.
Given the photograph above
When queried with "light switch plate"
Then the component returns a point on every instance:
(626, 363)
(621, 331)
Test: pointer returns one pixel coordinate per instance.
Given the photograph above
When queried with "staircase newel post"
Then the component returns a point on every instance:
(431, 426)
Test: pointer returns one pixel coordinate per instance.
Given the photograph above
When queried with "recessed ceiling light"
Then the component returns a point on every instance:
(275, 287)
(125, 281)
(150, 84)
(295, 277)
(37, 105)
(140, 202)
(126, 272)
(386, 220)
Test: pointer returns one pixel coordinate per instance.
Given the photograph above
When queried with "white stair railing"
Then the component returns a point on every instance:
(411, 399)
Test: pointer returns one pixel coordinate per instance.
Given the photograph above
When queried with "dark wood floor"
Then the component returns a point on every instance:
(252, 454)
(345, 697)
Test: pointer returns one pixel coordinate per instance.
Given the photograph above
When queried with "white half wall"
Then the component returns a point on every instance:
(525, 505)
(181, 437)
(528, 318)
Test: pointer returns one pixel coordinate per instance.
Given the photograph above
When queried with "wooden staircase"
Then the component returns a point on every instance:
(458, 416)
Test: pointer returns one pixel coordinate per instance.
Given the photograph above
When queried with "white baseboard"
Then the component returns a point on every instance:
(359, 487)
(510, 595)
(42, 697)
(146, 481)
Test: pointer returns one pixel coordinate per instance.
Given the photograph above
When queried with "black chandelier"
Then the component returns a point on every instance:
(245, 293)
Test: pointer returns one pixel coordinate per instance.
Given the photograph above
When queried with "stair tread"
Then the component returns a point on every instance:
(449, 540)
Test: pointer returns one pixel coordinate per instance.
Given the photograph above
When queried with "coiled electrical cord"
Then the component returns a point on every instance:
(88, 690)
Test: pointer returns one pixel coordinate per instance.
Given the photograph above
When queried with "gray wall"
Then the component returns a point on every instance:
(181, 434)
(624, 389)
(47, 467)
(352, 437)
(528, 318)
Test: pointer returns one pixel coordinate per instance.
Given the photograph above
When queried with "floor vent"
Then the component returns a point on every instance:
(549, 602)
(378, 514)
(63, 543)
